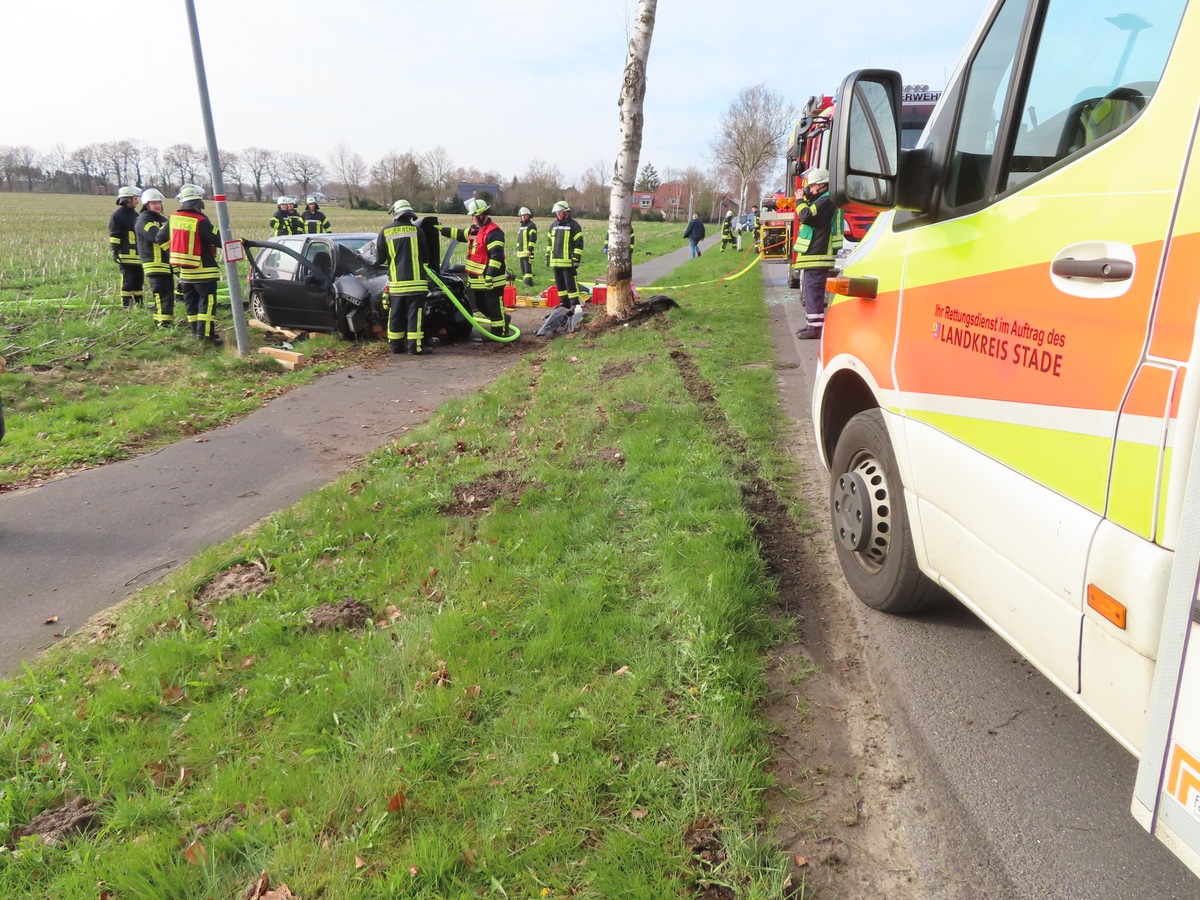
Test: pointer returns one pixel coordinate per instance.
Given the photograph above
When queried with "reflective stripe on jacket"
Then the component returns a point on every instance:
(286, 223)
(316, 222)
(564, 244)
(122, 235)
(153, 232)
(816, 246)
(527, 236)
(399, 245)
(194, 242)
(485, 254)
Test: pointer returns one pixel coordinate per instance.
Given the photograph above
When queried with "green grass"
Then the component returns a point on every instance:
(553, 693)
(85, 382)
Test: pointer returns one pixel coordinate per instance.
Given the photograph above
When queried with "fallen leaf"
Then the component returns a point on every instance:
(640, 814)
(396, 802)
(800, 860)
(413, 871)
(195, 853)
(624, 670)
(359, 862)
(173, 695)
(51, 620)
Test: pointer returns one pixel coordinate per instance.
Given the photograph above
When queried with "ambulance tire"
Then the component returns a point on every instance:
(870, 522)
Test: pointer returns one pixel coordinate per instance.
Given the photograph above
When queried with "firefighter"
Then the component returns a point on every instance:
(485, 265)
(153, 232)
(527, 236)
(285, 220)
(122, 241)
(727, 230)
(818, 240)
(194, 246)
(564, 253)
(401, 246)
(315, 221)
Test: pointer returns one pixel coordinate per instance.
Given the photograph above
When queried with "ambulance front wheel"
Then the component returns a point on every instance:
(870, 524)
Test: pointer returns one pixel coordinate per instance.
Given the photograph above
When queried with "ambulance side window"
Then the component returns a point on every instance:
(987, 88)
(1057, 84)
(1096, 67)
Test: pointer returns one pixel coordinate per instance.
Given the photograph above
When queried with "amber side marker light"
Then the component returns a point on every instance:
(1109, 607)
(867, 287)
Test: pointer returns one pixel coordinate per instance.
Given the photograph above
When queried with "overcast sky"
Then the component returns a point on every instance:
(399, 75)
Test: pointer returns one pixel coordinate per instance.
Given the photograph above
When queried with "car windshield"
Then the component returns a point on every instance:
(362, 244)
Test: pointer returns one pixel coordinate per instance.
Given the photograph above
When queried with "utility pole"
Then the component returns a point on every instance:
(231, 249)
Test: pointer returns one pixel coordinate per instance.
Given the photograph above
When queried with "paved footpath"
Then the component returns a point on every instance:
(76, 545)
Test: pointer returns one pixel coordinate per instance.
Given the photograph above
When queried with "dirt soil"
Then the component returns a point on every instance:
(840, 803)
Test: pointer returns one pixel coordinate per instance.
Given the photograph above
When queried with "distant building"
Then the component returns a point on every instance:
(468, 189)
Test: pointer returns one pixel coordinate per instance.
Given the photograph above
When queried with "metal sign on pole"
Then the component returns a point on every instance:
(230, 255)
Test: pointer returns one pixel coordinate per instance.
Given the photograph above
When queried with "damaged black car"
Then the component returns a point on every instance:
(332, 283)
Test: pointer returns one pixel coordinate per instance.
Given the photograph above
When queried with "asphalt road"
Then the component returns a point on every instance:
(996, 749)
(72, 547)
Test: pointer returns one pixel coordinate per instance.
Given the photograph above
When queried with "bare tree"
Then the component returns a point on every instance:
(397, 176)
(141, 159)
(436, 169)
(541, 185)
(120, 157)
(594, 184)
(8, 165)
(258, 163)
(350, 169)
(181, 162)
(29, 163)
(85, 162)
(753, 133)
(58, 164)
(633, 93)
(304, 170)
(231, 170)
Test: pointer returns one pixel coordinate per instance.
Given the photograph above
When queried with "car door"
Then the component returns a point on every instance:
(1022, 348)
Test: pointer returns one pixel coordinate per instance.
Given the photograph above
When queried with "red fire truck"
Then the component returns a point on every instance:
(809, 146)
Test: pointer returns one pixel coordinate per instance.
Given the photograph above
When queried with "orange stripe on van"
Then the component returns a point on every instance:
(865, 329)
(1175, 322)
(1026, 350)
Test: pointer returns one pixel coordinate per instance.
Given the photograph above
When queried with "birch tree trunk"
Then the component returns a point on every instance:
(633, 92)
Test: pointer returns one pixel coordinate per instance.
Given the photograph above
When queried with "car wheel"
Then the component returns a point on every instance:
(870, 521)
(258, 309)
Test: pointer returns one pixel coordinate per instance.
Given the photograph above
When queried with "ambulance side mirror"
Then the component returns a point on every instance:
(865, 153)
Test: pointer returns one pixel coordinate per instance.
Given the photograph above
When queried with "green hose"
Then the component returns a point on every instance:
(513, 331)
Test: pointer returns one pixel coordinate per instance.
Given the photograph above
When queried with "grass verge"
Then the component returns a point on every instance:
(517, 654)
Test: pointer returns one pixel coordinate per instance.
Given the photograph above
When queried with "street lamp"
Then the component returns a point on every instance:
(232, 250)
(1134, 24)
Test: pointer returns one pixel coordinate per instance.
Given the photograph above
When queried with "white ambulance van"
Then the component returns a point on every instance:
(1008, 392)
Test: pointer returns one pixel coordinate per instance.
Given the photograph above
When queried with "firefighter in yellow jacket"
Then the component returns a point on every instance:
(153, 232)
(485, 265)
(527, 235)
(194, 247)
(401, 247)
(564, 253)
(818, 240)
(122, 241)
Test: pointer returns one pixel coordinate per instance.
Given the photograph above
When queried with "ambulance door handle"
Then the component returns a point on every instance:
(1100, 269)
